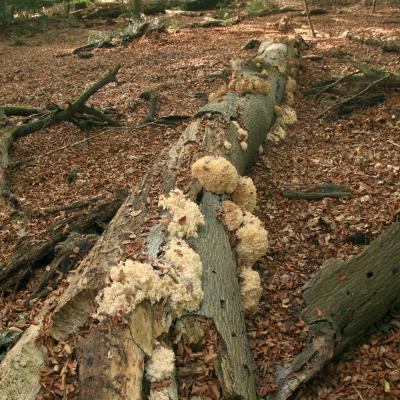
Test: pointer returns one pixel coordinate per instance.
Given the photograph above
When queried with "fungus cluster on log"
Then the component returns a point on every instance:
(183, 260)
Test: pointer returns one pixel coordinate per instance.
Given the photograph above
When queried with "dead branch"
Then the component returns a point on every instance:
(299, 195)
(77, 113)
(333, 84)
(67, 255)
(345, 101)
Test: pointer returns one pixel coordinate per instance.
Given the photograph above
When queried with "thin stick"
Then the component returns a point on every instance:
(308, 18)
(394, 143)
(351, 98)
(326, 88)
(357, 391)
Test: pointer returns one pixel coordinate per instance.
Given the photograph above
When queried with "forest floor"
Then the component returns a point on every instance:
(360, 150)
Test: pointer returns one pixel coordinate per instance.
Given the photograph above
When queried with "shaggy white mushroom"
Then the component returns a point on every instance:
(132, 283)
(245, 194)
(253, 240)
(285, 115)
(216, 174)
(185, 291)
(161, 366)
(186, 215)
(232, 215)
(250, 289)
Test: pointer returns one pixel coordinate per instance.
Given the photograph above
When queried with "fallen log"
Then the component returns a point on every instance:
(77, 113)
(385, 45)
(134, 30)
(341, 302)
(114, 354)
(29, 252)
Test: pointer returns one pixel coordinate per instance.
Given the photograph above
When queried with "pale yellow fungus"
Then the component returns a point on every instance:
(227, 145)
(253, 240)
(291, 85)
(186, 215)
(242, 134)
(216, 174)
(250, 289)
(185, 292)
(131, 283)
(285, 115)
(232, 216)
(245, 194)
(161, 366)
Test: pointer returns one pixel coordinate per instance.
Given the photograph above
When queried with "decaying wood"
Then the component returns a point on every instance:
(341, 103)
(341, 302)
(135, 232)
(385, 45)
(20, 369)
(318, 192)
(235, 365)
(67, 255)
(28, 252)
(329, 86)
(77, 113)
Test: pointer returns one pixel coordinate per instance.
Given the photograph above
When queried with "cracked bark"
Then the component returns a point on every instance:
(341, 302)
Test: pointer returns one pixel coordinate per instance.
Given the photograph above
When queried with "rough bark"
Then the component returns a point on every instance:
(341, 302)
(77, 113)
(28, 252)
(121, 374)
(385, 45)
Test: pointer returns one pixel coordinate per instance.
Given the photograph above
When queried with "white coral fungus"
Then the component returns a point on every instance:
(186, 215)
(250, 289)
(132, 283)
(216, 174)
(291, 85)
(276, 134)
(161, 365)
(242, 134)
(232, 215)
(185, 290)
(253, 240)
(243, 145)
(245, 194)
(159, 394)
(285, 115)
(227, 144)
